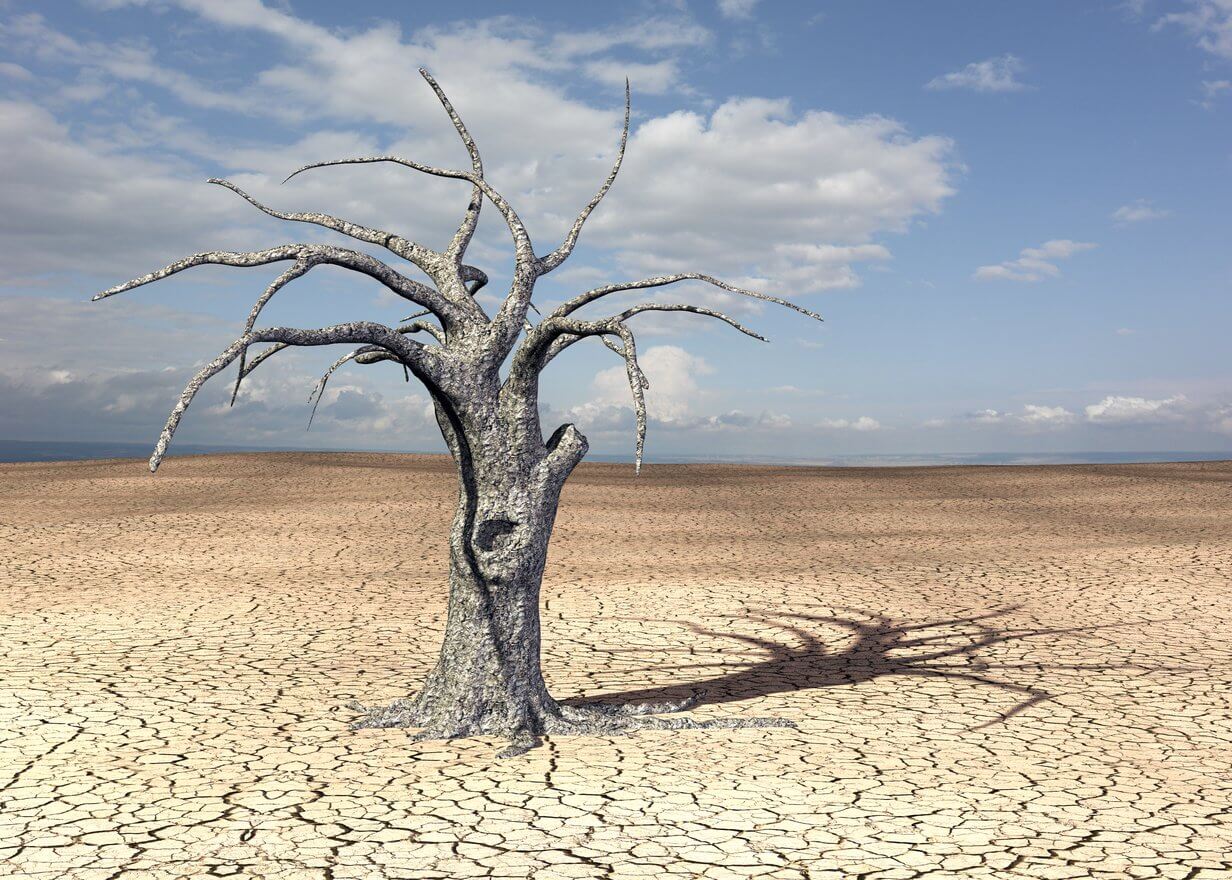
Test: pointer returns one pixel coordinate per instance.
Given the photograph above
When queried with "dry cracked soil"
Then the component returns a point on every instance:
(996, 672)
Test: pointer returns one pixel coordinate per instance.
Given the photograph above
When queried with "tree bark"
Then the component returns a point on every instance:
(487, 678)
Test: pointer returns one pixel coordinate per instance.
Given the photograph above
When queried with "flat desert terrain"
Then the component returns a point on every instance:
(996, 672)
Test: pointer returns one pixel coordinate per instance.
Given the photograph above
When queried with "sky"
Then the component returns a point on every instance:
(1013, 216)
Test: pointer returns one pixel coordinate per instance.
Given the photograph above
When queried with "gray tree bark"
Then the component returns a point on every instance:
(487, 679)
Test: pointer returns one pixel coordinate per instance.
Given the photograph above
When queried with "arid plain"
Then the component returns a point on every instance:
(995, 672)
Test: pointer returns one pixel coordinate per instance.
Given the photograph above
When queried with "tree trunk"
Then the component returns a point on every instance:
(488, 677)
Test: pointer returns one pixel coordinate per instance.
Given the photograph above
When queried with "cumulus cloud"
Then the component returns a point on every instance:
(1033, 264)
(82, 203)
(124, 364)
(15, 71)
(1115, 409)
(675, 400)
(650, 78)
(998, 74)
(1137, 212)
(768, 195)
(672, 372)
(1041, 416)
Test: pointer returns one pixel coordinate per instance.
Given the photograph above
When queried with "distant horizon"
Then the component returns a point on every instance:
(50, 451)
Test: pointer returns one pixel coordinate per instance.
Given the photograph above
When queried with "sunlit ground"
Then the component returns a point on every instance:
(1018, 672)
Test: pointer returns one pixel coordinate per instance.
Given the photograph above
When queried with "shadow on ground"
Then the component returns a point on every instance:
(878, 646)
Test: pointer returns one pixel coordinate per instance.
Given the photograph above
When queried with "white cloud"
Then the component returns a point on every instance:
(737, 9)
(1033, 417)
(1208, 21)
(1045, 416)
(675, 401)
(652, 79)
(125, 60)
(1137, 212)
(1033, 264)
(15, 71)
(1115, 409)
(88, 206)
(1175, 413)
(863, 423)
(991, 75)
(1212, 90)
(672, 372)
(769, 196)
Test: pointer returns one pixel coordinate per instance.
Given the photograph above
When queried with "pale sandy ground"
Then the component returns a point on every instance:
(1018, 672)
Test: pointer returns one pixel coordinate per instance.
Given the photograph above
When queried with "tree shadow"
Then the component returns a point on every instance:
(946, 649)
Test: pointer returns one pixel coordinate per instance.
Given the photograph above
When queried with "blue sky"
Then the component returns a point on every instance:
(1013, 216)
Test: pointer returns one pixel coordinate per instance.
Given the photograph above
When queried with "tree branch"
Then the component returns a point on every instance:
(360, 331)
(636, 379)
(420, 294)
(462, 238)
(660, 280)
(299, 268)
(533, 355)
(521, 238)
(565, 340)
(558, 256)
(421, 256)
(369, 354)
(423, 327)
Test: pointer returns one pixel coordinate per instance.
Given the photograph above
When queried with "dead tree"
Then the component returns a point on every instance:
(487, 679)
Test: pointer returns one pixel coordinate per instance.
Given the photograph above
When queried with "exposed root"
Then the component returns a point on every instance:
(554, 719)
(664, 708)
(399, 713)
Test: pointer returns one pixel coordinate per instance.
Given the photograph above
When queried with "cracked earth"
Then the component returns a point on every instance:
(996, 672)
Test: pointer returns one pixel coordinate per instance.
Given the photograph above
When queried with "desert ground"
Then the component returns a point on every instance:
(995, 672)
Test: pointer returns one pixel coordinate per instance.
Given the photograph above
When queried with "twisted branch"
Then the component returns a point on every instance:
(314, 397)
(565, 340)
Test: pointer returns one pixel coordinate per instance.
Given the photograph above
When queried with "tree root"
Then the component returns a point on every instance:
(554, 719)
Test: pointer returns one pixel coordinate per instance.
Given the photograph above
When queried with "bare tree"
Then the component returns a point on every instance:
(488, 678)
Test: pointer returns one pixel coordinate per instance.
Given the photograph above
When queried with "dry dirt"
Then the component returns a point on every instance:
(997, 672)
